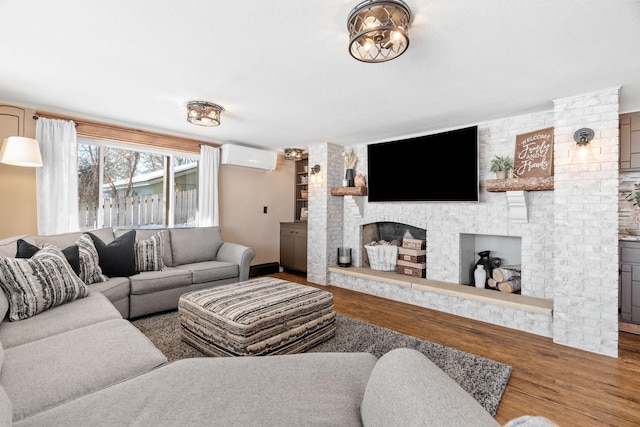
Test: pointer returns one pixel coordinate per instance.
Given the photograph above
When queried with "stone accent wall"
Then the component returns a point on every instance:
(569, 245)
(586, 225)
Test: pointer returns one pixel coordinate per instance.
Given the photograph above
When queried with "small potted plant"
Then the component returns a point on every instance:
(501, 165)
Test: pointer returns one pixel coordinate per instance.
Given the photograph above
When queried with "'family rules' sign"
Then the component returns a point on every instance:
(534, 154)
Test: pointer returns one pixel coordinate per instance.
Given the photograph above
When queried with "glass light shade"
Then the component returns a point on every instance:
(378, 30)
(203, 113)
(20, 151)
(292, 153)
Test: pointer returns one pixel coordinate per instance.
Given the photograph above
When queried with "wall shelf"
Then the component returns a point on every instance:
(519, 184)
(349, 191)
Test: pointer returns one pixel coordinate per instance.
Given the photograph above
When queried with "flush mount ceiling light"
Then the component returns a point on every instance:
(203, 113)
(378, 30)
(292, 153)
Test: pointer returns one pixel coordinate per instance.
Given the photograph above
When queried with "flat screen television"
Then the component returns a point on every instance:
(440, 167)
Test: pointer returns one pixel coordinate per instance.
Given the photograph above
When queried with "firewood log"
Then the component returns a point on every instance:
(506, 273)
(510, 286)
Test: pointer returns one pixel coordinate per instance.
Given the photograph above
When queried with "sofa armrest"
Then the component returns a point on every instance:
(239, 254)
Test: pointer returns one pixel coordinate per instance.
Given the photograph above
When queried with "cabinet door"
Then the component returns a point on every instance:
(300, 252)
(287, 247)
(625, 292)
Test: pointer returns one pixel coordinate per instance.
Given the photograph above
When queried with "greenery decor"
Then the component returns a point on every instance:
(499, 163)
(634, 196)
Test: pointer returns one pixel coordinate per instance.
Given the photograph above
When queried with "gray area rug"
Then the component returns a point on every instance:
(483, 378)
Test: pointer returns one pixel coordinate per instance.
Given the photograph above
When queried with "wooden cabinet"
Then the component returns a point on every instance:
(630, 142)
(302, 188)
(293, 245)
(629, 289)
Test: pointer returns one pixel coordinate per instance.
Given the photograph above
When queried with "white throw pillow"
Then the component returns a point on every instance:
(39, 283)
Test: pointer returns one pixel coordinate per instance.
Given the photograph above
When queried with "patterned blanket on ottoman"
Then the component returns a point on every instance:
(256, 317)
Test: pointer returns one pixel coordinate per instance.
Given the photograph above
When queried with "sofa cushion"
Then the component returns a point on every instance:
(406, 388)
(115, 289)
(209, 271)
(149, 253)
(39, 283)
(90, 271)
(6, 409)
(321, 389)
(67, 239)
(117, 258)
(189, 245)
(47, 372)
(154, 281)
(72, 253)
(86, 311)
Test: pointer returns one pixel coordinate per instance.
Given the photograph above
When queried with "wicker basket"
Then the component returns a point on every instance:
(378, 263)
(304, 194)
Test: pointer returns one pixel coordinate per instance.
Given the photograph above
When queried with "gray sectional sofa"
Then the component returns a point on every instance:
(80, 363)
(193, 258)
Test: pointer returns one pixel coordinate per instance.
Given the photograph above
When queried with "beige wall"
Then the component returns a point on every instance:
(17, 184)
(243, 194)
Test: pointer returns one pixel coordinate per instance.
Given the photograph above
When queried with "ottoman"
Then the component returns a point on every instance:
(257, 317)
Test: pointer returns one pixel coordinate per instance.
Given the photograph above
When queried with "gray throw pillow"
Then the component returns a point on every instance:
(39, 283)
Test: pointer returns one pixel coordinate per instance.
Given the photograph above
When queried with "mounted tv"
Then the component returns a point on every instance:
(441, 167)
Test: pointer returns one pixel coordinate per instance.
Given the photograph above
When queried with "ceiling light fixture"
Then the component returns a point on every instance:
(292, 153)
(20, 151)
(378, 30)
(203, 113)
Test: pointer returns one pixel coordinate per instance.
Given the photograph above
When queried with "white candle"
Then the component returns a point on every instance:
(345, 259)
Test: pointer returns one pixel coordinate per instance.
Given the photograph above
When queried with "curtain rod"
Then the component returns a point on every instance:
(36, 117)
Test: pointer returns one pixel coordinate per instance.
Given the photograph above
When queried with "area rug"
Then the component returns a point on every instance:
(482, 378)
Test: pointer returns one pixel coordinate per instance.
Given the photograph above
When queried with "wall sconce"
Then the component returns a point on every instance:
(583, 152)
(314, 170)
(20, 151)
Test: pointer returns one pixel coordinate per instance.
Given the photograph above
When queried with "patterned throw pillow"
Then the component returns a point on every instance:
(90, 271)
(149, 252)
(44, 281)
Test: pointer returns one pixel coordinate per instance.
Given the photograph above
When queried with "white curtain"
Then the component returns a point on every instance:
(208, 186)
(57, 179)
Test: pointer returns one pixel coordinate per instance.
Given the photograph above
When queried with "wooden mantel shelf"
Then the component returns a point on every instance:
(349, 191)
(519, 184)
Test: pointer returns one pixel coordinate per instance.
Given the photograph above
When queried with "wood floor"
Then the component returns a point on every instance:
(569, 386)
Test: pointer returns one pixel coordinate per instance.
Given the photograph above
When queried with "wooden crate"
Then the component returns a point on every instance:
(411, 271)
(418, 265)
(412, 255)
(414, 243)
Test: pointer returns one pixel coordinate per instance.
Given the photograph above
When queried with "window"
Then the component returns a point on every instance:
(126, 186)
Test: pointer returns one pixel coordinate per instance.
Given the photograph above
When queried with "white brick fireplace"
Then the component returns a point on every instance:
(568, 245)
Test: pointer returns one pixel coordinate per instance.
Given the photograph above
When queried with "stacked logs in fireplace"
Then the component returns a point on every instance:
(505, 278)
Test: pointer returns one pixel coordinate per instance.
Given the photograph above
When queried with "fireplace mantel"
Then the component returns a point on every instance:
(517, 302)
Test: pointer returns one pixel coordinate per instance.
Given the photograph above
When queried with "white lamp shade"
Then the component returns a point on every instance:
(20, 151)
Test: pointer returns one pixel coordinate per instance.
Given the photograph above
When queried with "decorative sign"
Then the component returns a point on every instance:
(534, 154)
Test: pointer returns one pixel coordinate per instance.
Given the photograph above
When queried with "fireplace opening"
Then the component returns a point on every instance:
(505, 250)
(389, 231)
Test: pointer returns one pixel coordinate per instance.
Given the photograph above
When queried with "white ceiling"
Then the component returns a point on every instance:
(283, 74)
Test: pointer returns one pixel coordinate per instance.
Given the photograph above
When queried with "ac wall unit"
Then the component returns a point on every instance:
(249, 157)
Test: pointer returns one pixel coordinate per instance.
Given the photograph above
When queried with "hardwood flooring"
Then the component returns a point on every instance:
(571, 387)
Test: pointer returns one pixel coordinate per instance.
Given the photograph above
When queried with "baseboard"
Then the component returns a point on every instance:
(262, 269)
